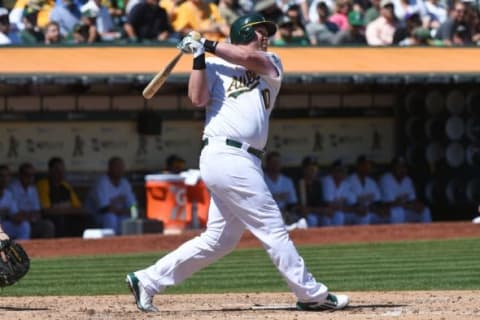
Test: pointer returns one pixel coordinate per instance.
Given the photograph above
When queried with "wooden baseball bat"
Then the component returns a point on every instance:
(157, 82)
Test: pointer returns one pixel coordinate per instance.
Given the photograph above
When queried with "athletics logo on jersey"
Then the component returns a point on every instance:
(242, 84)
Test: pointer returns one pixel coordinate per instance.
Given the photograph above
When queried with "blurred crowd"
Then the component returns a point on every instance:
(52, 205)
(301, 22)
(340, 195)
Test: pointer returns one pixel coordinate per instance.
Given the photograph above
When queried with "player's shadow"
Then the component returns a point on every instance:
(292, 308)
(22, 309)
(375, 306)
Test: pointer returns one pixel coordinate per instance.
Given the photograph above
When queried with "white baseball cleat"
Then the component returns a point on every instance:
(332, 302)
(476, 220)
(142, 298)
(300, 224)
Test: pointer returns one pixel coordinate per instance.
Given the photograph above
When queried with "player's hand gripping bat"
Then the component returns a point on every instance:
(159, 79)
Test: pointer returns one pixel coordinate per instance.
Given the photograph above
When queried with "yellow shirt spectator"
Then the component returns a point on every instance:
(44, 7)
(202, 17)
(63, 195)
(171, 7)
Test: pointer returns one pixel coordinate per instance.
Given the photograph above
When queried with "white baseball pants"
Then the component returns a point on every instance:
(240, 200)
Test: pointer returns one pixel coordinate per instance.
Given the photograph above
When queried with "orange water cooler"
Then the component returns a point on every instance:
(178, 205)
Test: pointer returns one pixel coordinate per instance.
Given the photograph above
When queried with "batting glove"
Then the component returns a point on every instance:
(191, 44)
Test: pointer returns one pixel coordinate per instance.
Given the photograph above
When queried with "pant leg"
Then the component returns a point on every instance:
(338, 218)
(397, 215)
(112, 221)
(426, 215)
(220, 237)
(236, 178)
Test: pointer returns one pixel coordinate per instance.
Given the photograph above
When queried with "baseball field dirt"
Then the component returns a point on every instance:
(408, 305)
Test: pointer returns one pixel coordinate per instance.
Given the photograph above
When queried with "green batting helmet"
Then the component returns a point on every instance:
(242, 30)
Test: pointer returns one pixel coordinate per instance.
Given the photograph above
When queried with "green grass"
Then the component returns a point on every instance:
(419, 265)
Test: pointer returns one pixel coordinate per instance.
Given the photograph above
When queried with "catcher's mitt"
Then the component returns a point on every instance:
(17, 263)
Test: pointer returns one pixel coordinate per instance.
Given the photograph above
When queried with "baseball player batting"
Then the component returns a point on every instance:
(238, 88)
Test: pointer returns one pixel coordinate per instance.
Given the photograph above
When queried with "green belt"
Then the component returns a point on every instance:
(233, 143)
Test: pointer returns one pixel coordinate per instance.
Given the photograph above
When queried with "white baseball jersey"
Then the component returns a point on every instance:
(241, 101)
(392, 188)
(104, 191)
(332, 192)
(8, 203)
(360, 189)
(26, 199)
(282, 190)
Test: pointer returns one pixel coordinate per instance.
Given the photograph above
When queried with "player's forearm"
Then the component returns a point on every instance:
(253, 60)
(198, 88)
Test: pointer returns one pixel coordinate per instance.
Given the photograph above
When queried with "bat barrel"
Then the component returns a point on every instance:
(157, 82)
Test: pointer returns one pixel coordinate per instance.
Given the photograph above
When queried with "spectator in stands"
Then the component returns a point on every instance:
(422, 37)
(59, 200)
(52, 33)
(368, 206)
(268, 9)
(313, 13)
(339, 197)
(170, 7)
(230, 10)
(284, 35)
(322, 31)
(456, 29)
(25, 194)
(201, 16)
(8, 34)
(295, 15)
(340, 17)
(355, 34)
(302, 5)
(435, 14)
(473, 18)
(86, 31)
(310, 195)
(380, 31)
(111, 198)
(42, 9)
(405, 8)
(132, 3)
(31, 33)
(174, 164)
(404, 34)
(373, 12)
(116, 9)
(398, 193)
(14, 227)
(103, 20)
(67, 15)
(149, 22)
(281, 187)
